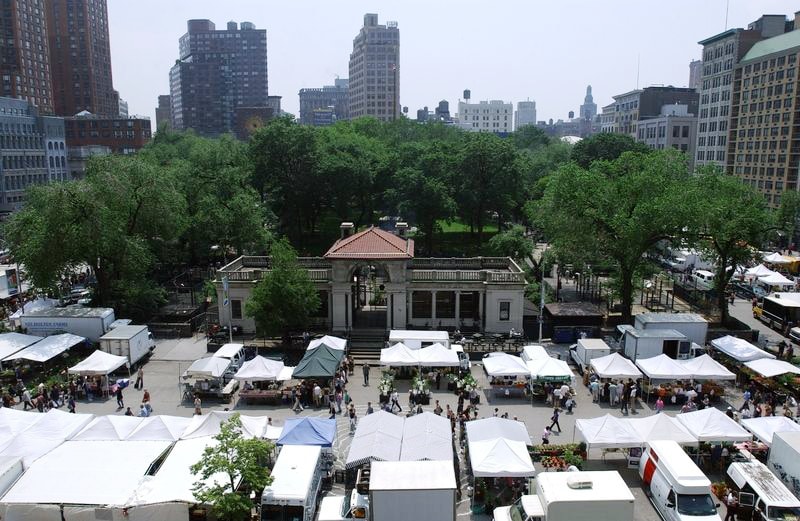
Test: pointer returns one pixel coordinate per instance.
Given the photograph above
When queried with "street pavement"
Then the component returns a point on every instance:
(171, 357)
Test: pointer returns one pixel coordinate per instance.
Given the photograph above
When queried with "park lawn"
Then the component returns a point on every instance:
(460, 227)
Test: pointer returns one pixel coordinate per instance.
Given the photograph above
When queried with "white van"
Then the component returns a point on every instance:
(704, 279)
(762, 496)
(296, 482)
(677, 488)
(233, 352)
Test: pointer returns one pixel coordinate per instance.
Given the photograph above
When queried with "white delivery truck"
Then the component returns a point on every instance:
(691, 325)
(677, 488)
(133, 342)
(406, 490)
(573, 496)
(91, 323)
(762, 496)
(10, 472)
(641, 343)
(586, 349)
(344, 508)
(784, 457)
(296, 482)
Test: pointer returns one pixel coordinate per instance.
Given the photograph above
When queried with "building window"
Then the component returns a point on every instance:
(445, 304)
(322, 310)
(468, 305)
(421, 304)
(505, 311)
(236, 309)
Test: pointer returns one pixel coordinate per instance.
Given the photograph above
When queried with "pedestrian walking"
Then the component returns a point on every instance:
(731, 506)
(370, 410)
(146, 396)
(70, 403)
(438, 409)
(632, 398)
(139, 379)
(317, 395)
(365, 370)
(197, 405)
(623, 399)
(546, 436)
(332, 410)
(338, 400)
(296, 404)
(129, 412)
(554, 419)
(659, 405)
(120, 402)
(353, 418)
(396, 402)
(26, 400)
(594, 388)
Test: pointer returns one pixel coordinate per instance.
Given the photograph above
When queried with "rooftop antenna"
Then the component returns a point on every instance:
(727, 6)
(638, 56)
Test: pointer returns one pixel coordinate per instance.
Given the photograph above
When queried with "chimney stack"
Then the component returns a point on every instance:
(401, 228)
(347, 229)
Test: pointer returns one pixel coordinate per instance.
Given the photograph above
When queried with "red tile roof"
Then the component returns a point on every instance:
(372, 243)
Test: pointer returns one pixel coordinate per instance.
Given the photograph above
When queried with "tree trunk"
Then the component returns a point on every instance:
(721, 283)
(626, 296)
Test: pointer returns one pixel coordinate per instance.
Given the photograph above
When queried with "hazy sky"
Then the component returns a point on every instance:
(545, 50)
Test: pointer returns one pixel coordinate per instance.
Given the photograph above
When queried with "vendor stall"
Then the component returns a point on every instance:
(738, 349)
(614, 366)
(308, 431)
(331, 341)
(711, 424)
(662, 367)
(549, 370)
(500, 458)
(320, 362)
(11, 343)
(607, 432)
(661, 427)
(765, 427)
(437, 355)
(427, 436)
(400, 355)
(704, 367)
(208, 375)
(508, 374)
(47, 348)
(769, 367)
(492, 428)
(102, 364)
(416, 339)
(776, 282)
(378, 437)
(260, 369)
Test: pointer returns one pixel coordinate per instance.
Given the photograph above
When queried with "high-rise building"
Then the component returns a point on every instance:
(164, 112)
(589, 107)
(764, 123)
(332, 97)
(674, 127)
(122, 135)
(487, 116)
(695, 74)
(24, 54)
(525, 115)
(375, 71)
(80, 57)
(641, 104)
(32, 151)
(217, 73)
(721, 53)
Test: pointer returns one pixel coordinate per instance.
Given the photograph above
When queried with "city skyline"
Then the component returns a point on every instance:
(439, 57)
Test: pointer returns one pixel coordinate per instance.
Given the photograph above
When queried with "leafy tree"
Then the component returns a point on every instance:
(530, 137)
(285, 297)
(112, 221)
(617, 211)
(788, 214)
(240, 461)
(605, 147)
(512, 243)
(730, 222)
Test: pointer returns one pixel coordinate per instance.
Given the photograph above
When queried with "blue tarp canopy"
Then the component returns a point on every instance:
(308, 431)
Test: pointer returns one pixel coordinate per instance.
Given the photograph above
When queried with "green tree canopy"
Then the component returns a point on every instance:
(511, 243)
(242, 461)
(605, 147)
(285, 297)
(616, 210)
(530, 137)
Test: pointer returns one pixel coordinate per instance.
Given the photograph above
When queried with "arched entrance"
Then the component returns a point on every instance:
(369, 295)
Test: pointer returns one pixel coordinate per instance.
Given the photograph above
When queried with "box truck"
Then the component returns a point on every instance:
(573, 496)
(133, 342)
(761, 494)
(296, 482)
(586, 349)
(691, 325)
(784, 458)
(640, 343)
(403, 490)
(91, 323)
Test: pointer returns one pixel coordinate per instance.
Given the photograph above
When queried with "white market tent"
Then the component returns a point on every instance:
(437, 355)
(661, 367)
(739, 349)
(777, 258)
(11, 343)
(607, 432)
(661, 427)
(758, 271)
(500, 457)
(331, 341)
(549, 369)
(711, 424)
(415, 338)
(47, 348)
(378, 437)
(52, 429)
(503, 364)
(211, 367)
(286, 373)
(228, 350)
(494, 427)
(160, 428)
(109, 428)
(426, 436)
(209, 425)
(534, 352)
(98, 363)
(769, 367)
(399, 355)
(614, 366)
(43, 481)
(764, 427)
(704, 367)
(776, 279)
(259, 369)
(14, 422)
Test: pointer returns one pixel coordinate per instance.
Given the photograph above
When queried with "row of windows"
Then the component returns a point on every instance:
(422, 305)
(713, 112)
(765, 171)
(715, 97)
(713, 126)
(779, 62)
(717, 82)
(18, 162)
(776, 90)
(710, 155)
(712, 141)
(760, 158)
(717, 52)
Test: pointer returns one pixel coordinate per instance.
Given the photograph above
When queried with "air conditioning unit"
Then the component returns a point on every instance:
(578, 483)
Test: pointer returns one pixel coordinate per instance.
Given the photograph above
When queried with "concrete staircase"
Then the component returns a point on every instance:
(365, 345)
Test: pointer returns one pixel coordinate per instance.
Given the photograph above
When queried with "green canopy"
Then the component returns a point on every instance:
(319, 362)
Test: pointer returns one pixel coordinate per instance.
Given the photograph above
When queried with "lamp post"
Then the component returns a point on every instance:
(541, 294)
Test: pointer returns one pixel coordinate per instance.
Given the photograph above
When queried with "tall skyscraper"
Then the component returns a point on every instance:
(525, 115)
(375, 71)
(721, 53)
(218, 73)
(80, 57)
(164, 112)
(589, 107)
(332, 97)
(24, 55)
(695, 74)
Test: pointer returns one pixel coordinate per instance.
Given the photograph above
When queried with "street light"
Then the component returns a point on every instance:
(541, 294)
